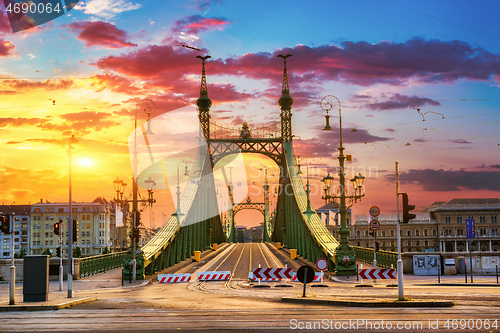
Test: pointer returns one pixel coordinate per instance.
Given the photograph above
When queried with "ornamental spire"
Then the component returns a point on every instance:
(203, 102)
(286, 88)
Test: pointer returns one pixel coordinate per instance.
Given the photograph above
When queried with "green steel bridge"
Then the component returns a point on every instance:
(196, 223)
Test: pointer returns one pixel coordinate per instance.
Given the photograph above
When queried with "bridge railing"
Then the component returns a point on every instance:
(384, 258)
(101, 263)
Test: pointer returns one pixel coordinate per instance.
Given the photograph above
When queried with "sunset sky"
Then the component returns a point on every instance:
(84, 73)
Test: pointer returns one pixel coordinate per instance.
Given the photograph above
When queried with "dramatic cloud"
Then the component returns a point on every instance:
(357, 63)
(87, 121)
(100, 34)
(106, 9)
(115, 83)
(47, 84)
(6, 48)
(398, 101)
(195, 24)
(326, 144)
(17, 122)
(450, 180)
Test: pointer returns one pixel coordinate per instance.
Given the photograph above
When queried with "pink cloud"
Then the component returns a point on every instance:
(195, 24)
(6, 48)
(100, 34)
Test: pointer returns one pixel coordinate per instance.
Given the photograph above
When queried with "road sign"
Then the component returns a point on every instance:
(322, 264)
(270, 273)
(317, 277)
(379, 273)
(308, 272)
(374, 211)
(470, 227)
(346, 259)
(374, 225)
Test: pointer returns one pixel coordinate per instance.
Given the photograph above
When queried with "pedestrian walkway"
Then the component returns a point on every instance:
(58, 299)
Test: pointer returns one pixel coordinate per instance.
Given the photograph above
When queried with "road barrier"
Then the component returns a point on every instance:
(214, 276)
(174, 278)
(377, 273)
(252, 278)
(270, 273)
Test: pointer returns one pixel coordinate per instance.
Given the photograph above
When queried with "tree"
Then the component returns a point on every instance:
(77, 252)
(47, 253)
(20, 255)
(105, 251)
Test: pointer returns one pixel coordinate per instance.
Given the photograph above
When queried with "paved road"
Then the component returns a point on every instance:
(237, 305)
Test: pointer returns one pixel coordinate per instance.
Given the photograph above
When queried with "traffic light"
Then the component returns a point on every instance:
(376, 246)
(136, 234)
(57, 228)
(75, 231)
(406, 209)
(372, 233)
(58, 252)
(5, 227)
(137, 218)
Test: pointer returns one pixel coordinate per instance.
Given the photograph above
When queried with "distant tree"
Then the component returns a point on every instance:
(47, 253)
(393, 247)
(105, 251)
(77, 252)
(20, 255)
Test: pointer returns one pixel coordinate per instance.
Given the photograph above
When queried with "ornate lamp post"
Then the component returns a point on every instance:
(345, 259)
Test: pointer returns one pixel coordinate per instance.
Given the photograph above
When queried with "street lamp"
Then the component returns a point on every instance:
(345, 257)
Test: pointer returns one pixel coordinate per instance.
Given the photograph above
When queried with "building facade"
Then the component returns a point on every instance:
(93, 226)
(21, 230)
(440, 227)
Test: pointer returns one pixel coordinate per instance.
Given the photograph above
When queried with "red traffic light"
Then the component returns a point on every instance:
(57, 228)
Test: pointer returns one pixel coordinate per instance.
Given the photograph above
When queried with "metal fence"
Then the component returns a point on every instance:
(101, 263)
(384, 258)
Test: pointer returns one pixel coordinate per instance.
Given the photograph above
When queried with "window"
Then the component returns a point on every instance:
(417, 232)
(46, 226)
(408, 232)
(447, 219)
(460, 219)
(60, 210)
(88, 217)
(75, 210)
(482, 219)
(493, 219)
(37, 210)
(46, 209)
(88, 225)
(88, 233)
(392, 233)
(46, 217)
(460, 232)
(358, 234)
(426, 232)
(83, 217)
(46, 234)
(51, 209)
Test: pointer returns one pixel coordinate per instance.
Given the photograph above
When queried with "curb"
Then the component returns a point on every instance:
(459, 284)
(46, 307)
(373, 304)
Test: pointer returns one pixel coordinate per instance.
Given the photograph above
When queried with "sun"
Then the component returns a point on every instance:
(85, 162)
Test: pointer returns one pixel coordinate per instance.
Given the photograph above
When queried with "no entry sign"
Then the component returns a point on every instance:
(321, 264)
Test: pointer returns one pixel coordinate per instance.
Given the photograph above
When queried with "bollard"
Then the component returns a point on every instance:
(465, 264)
(122, 276)
(293, 254)
(197, 256)
(357, 272)
(278, 245)
(496, 268)
(439, 274)
(214, 246)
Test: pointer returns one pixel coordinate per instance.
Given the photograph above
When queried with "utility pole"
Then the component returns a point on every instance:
(401, 291)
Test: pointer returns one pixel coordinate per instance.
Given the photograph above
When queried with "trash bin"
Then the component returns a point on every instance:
(197, 255)
(36, 278)
(293, 254)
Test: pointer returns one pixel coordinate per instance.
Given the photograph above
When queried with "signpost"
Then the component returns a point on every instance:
(470, 228)
(374, 226)
(305, 274)
(322, 265)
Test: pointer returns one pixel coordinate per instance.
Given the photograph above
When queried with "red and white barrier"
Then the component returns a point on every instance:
(272, 273)
(214, 276)
(174, 278)
(317, 277)
(252, 278)
(377, 273)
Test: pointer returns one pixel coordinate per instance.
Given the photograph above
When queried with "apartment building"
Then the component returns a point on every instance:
(94, 226)
(21, 230)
